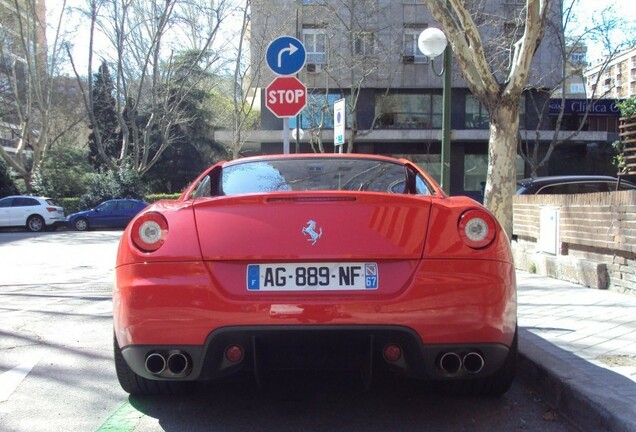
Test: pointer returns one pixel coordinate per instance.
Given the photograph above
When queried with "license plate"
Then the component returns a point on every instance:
(312, 276)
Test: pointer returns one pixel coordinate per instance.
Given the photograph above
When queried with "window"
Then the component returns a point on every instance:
(577, 88)
(25, 202)
(430, 162)
(477, 115)
(127, 205)
(364, 43)
(409, 111)
(578, 58)
(475, 171)
(6, 202)
(319, 111)
(315, 41)
(107, 206)
(327, 174)
(576, 188)
(410, 51)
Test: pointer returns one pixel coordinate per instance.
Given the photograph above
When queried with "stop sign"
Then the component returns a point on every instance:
(286, 96)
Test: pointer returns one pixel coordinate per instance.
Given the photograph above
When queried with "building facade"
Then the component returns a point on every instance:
(613, 79)
(573, 86)
(366, 52)
(20, 27)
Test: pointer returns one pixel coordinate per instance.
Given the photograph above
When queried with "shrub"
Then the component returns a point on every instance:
(71, 205)
(123, 183)
(63, 173)
(156, 197)
(628, 107)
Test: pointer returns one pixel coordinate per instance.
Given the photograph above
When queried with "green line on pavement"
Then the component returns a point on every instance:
(124, 419)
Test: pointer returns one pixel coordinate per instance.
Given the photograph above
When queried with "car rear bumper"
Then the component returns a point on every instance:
(447, 305)
(359, 348)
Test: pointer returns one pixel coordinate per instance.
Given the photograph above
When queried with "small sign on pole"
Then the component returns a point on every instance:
(339, 123)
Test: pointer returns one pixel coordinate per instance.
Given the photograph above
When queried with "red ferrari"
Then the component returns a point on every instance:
(315, 261)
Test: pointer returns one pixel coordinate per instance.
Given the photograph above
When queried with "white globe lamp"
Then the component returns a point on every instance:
(432, 42)
(297, 133)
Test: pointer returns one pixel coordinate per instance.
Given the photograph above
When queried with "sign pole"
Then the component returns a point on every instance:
(286, 96)
(285, 135)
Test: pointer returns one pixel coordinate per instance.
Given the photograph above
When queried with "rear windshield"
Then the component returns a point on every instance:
(316, 175)
(52, 202)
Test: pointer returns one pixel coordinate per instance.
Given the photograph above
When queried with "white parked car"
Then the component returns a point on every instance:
(34, 213)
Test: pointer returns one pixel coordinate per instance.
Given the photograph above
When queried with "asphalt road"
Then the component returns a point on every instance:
(57, 374)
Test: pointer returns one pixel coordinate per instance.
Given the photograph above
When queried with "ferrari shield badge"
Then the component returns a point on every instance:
(310, 232)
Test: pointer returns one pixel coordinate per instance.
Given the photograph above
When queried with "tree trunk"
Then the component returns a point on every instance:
(502, 158)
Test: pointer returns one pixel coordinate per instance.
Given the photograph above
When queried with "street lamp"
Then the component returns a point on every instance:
(432, 42)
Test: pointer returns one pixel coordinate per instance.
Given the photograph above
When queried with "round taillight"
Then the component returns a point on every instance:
(149, 231)
(476, 228)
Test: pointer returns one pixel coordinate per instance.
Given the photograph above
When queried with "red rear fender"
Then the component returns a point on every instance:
(180, 244)
(444, 239)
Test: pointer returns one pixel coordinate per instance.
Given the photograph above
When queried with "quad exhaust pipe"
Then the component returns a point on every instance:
(175, 363)
(178, 363)
(473, 362)
(155, 363)
(452, 364)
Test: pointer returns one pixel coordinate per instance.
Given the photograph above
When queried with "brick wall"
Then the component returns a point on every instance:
(595, 238)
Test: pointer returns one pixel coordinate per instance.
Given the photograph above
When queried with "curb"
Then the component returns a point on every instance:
(592, 398)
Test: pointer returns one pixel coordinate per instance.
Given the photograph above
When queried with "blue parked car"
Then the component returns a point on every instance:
(115, 213)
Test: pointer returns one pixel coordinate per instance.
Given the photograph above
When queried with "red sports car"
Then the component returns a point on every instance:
(315, 261)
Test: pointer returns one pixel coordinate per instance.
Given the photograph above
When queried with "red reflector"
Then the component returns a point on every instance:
(51, 209)
(392, 353)
(234, 353)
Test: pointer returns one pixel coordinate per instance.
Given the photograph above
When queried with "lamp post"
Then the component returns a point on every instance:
(432, 42)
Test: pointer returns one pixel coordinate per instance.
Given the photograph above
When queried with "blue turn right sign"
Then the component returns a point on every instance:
(286, 55)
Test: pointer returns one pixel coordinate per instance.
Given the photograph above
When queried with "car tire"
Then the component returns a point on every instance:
(35, 223)
(81, 224)
(138, 385)
(491, 386)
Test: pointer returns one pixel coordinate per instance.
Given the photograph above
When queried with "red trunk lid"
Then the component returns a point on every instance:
(312, 227)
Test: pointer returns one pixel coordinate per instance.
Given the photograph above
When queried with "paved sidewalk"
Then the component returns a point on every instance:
(578, 346)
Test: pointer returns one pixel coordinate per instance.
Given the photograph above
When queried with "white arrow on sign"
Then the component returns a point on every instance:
(292, 49)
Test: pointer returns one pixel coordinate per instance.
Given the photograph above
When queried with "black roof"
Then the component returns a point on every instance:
(536, 184)
(566, 178)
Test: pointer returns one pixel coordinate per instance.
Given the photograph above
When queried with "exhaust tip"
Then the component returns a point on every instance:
(450, 363)
(155, 363)
(178, 363)
(473, 362)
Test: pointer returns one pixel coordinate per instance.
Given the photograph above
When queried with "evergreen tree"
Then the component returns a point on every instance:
(7, 186)
(105, 116)
(193, 148)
